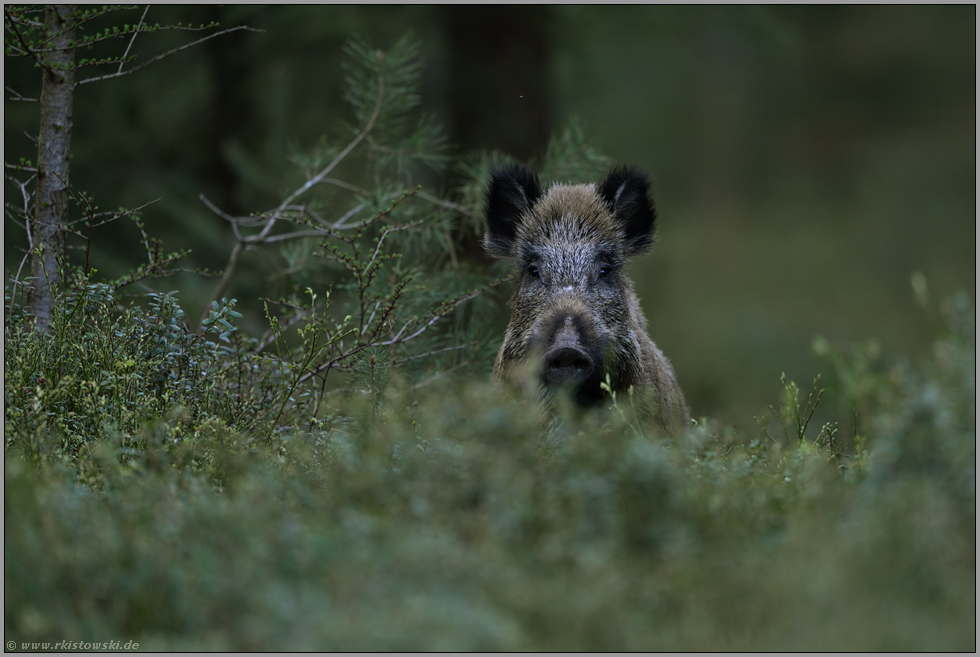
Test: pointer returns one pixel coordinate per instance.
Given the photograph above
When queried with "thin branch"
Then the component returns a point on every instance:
(166, 54)
(135, 32)
(438, 376)
(227, 217)
(17, 96)
(357, 140)
(334, 362)
(88, 42)
(32, 24)
(370, 319)
(111, 216)
(17, 167)
(79, 201)
(345, 185)
(432, 353)
(449, 205)
(95, 13)
(236, 253)
(439, 313)
(270, 335)
(239, 245)
(27, 49)
(25, 195)
(374, 256)
(25, 213)
(16, 282)
(343, 220)
(288, 236)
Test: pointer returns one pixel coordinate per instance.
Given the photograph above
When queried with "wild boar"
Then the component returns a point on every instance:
(575, 319)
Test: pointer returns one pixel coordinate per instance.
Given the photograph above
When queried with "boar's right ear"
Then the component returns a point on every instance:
(513, 190)
(627, 191)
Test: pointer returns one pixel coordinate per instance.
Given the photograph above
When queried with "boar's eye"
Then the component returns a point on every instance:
(533, 272)
(604, 271)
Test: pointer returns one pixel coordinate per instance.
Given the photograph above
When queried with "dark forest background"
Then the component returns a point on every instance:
(807, 160)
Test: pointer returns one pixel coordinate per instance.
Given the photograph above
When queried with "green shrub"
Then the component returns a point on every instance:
(450, 517)
(106, 375)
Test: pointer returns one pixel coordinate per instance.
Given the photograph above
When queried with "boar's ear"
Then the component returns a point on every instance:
(513, 190)
(626, 190)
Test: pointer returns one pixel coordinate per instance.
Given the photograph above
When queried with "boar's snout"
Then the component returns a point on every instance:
(566, 360)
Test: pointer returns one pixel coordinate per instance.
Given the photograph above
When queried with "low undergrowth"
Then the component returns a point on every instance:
(148, 499)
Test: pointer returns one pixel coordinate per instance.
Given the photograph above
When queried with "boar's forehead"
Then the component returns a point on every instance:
(571, 223)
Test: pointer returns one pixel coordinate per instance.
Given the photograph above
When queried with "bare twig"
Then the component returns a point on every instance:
(227, 217)
(343, 220)
(433, 353)
(26, 214)
(17, 96)
(315, 180)
(166, 54)
(437, 314)
(94, 14)
(239, 245)
(345, 185)
(270, 335)
(135, 32)
(433, 379)
(112, 216)
(333, 362)
(236, 253)
(449, 205)
(318, 232)
(16, 282)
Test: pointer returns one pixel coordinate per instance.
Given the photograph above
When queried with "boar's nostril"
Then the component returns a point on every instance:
(567, 364)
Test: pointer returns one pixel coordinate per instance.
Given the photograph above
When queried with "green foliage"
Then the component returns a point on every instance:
(449, 517)
(27, 37)
(382, 89)
(365, 267)
(108, 380)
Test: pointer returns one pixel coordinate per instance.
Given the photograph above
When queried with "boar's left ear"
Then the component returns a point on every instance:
(513, 190)
(626, 190)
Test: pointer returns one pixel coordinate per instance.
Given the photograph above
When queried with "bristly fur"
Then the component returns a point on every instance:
(570, 246)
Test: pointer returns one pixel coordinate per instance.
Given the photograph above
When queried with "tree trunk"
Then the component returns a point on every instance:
(497, 77)
(54, 140)
(498, 92)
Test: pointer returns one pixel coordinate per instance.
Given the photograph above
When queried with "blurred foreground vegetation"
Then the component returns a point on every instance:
(450, 517)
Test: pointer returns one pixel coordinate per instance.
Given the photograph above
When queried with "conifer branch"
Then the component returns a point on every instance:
(315, 180)
(263, 236)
